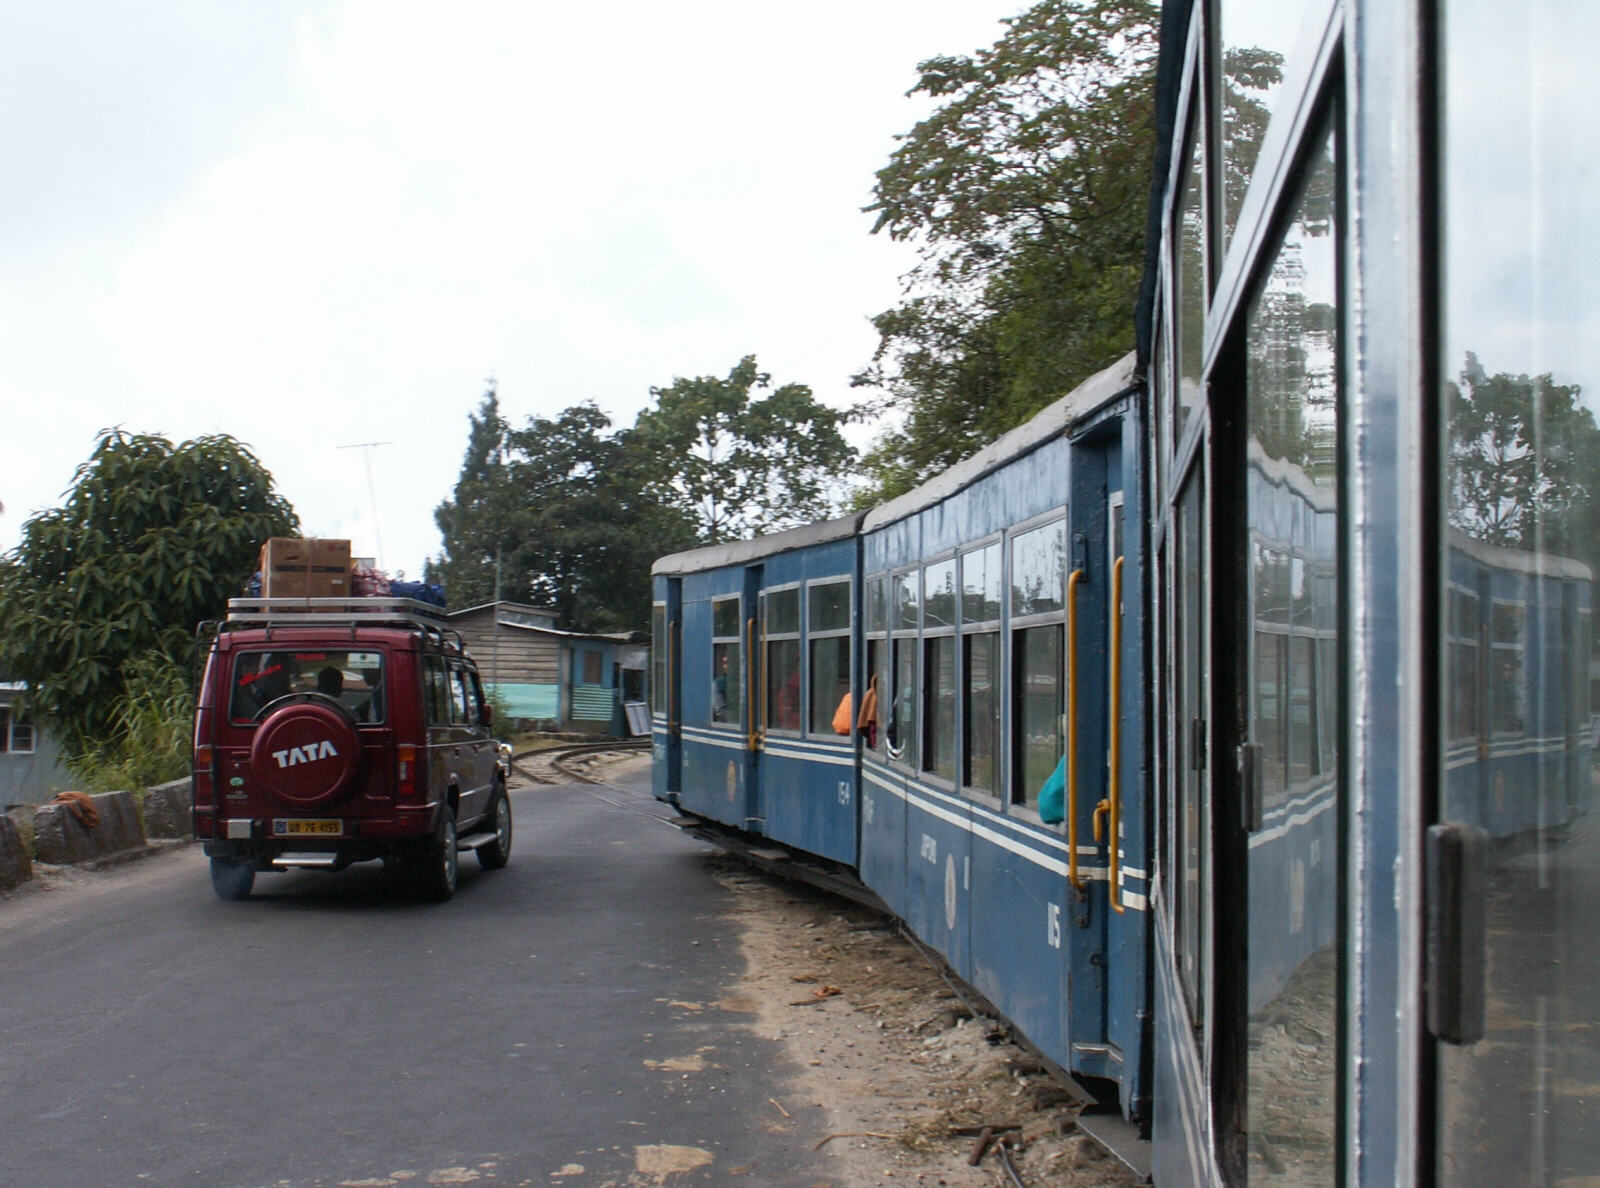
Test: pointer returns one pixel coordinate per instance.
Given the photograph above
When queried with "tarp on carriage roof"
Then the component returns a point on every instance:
(738, 552)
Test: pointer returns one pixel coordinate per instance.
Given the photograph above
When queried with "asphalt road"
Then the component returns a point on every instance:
(561, 1022)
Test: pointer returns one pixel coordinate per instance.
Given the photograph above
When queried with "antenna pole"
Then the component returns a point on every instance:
(366, 448)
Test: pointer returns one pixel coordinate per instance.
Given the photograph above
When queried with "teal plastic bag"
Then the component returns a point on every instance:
(1051, 809)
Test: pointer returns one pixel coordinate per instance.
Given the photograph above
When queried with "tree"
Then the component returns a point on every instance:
(1525, 458)
(153, 537)
(559, 513)
(480, 522)
(1026, 194)
(739, 465)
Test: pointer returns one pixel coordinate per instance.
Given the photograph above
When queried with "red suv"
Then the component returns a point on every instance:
(333, 731)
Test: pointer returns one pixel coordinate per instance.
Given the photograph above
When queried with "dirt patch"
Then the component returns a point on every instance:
(907, 1075)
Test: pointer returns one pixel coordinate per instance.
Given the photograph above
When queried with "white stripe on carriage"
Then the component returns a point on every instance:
(1467, 754)
(1300, 803)
(813, 754)
(1294, 822)
(728, 742)
(1055, 865)
(1092, 871)
(1023, 829)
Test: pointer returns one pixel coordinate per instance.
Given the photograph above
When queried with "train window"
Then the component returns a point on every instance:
(1257, 36)
(1466, 635)
(1291, 861)
(939, 702)
(980, 690)
(1039, 571)
(1192, 816)
(1270, 581)
(1520, 491)
(902, 714)
(658, 659)
(1037, 707)
(981, 590)
(981, 585)
(939, 670)
(781, 640)
(875, 605)
(828, 638)
(1191, 284)
(1507, 688)
(783, 611)
(905, 602)
(939, 596)
(727, 661)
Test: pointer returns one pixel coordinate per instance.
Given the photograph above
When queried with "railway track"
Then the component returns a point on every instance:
(543, 766)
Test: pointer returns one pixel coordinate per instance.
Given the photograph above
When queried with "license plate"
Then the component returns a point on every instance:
(307, 828)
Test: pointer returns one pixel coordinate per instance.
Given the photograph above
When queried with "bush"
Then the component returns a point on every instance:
(152, 726)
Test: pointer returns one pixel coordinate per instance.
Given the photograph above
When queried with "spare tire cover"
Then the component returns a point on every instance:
(305, 753)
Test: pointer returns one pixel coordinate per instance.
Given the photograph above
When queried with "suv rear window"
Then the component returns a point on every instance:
(354, 678)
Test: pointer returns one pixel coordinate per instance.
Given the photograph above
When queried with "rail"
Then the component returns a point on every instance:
(1072, 730)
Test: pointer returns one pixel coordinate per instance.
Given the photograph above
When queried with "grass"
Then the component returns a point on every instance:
(151, 732)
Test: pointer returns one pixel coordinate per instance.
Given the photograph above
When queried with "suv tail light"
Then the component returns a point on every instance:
(405, 771)
(204, 775)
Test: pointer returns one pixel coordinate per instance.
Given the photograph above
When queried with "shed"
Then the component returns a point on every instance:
(569, 680)
(31, 767)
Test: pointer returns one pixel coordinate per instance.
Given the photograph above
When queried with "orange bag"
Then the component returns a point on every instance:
(844, 717)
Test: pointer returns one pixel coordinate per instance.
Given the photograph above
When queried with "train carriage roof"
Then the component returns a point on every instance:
(740, 552)
(1087, 398)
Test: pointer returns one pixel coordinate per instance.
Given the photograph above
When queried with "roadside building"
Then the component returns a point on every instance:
(31, 769)
(559, 680)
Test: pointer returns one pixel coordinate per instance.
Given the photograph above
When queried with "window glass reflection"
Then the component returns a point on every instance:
(1257, 36)
(1039, 570)
(980, 585)
(1521, 551)
(1191, 268)
(1292, 517)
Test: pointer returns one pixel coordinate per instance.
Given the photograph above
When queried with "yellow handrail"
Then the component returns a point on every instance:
(668, 676)
(1114, 777)
(754, 671)
(1072, 729)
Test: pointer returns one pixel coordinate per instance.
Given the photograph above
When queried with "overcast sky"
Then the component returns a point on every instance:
(317, 223)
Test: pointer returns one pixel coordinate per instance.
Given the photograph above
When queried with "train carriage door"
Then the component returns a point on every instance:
(1277, 700)
(1512, 852)
(666, 689)
(757, 702)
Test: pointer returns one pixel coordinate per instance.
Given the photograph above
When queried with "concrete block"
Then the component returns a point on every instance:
(15, 865)
(60, 839)
(168, 810)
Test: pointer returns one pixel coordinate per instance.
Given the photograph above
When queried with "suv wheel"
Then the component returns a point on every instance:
(230, 879)
(497, 853)
(441, 863)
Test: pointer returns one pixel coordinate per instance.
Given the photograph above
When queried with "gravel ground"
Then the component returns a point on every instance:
(907, 1075)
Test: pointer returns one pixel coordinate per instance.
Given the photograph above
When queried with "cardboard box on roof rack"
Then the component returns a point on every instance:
(296, 567)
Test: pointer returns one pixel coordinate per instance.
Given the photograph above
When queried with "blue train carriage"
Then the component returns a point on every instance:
(1519, 741)
(991, 617)
(756, 660)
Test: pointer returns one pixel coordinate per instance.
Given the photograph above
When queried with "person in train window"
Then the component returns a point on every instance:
(787, 715)
(867, 721)
(719, 692)
(1052, 810)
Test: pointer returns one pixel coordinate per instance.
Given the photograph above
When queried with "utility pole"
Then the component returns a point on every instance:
(366, 447)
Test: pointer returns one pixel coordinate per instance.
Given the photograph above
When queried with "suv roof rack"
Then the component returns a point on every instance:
(341, 612)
